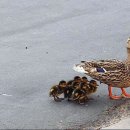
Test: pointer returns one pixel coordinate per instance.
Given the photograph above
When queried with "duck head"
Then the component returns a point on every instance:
(84, 79)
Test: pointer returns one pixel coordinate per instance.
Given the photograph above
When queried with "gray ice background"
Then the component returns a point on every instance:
(58, 34)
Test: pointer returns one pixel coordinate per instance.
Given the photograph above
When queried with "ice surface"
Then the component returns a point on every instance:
(57, 34)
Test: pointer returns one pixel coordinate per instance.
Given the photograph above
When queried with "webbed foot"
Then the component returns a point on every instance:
(113, 96)
(126, 95)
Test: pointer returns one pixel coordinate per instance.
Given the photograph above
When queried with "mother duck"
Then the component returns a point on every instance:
(114, 73)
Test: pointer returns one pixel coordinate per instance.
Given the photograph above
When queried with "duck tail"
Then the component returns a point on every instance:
(79, 68)
(83, 68)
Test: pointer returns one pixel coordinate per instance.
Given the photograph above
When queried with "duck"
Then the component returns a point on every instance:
(112, 72)
(57, 90)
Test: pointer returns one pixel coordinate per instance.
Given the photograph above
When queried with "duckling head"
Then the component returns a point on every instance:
(62, 83)
(93, 83)
(84, 79)
(77, 79)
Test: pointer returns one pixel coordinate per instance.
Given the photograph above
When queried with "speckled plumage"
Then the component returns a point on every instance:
(117, 73)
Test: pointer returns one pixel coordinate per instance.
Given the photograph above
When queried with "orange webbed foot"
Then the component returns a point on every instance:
(124, 93)
(113, 96)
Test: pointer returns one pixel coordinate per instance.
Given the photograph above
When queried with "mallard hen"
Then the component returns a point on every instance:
(114, 73)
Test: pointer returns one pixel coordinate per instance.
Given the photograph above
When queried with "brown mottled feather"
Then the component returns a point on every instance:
(117, 73)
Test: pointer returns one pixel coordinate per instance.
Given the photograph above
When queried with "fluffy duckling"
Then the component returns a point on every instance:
(69, 90)
(57, 90)
(71, 85)
(92, 87)
(84, 79)
(75, 85)
(77, 79)
(79, 94)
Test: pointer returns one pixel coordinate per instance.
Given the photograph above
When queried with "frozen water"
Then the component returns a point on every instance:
(40, 40)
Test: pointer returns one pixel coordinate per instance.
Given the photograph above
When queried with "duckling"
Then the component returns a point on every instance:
(75, 84)
(79, 94)
(77, 79)
(70, 82)
(84, 79)
(71, 85)
(68, 90)
(57, 90)
(92, 87)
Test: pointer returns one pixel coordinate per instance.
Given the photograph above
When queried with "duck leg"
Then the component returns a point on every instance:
(124, 93)
(113, 96)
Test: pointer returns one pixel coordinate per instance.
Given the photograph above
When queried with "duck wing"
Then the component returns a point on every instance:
(110, 77)
(108, 65)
